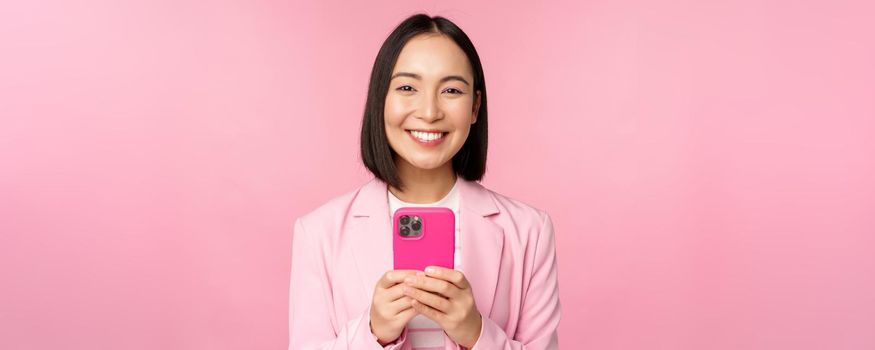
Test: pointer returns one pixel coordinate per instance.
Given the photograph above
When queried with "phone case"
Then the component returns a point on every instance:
(435, 243)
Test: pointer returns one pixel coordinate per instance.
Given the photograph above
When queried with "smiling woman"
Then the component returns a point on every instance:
(424, 137)
(427, 84)
(430, 100)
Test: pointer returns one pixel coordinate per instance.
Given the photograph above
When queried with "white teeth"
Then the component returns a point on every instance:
(426, 136)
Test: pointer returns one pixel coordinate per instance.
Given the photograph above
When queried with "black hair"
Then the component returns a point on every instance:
(378, 156)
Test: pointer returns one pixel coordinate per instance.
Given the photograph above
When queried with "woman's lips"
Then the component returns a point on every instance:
(430, 143)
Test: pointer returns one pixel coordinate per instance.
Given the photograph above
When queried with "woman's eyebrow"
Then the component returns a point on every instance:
(418, 77)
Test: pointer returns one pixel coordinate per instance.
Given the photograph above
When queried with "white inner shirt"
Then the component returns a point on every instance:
(421, 331)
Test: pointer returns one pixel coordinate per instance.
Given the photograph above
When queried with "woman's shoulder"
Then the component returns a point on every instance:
(334, 209)
(523, 224)
(521, 212)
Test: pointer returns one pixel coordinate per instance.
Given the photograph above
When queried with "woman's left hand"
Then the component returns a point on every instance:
(444, 296)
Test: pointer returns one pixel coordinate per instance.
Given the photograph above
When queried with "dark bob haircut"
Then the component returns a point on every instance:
(378, 156)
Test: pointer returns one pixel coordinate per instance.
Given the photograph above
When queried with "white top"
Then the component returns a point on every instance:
(421, 331)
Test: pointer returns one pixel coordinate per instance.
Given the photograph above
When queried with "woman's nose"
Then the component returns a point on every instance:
(430, 109)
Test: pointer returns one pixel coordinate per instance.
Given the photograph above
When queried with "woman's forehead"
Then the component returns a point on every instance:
(432, 56)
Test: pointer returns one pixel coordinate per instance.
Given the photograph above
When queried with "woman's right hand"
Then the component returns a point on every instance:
(390, 309)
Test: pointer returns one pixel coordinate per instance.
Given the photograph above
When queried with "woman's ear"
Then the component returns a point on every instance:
(476, 107)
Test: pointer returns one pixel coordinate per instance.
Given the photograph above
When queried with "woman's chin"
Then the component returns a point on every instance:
(426, 164)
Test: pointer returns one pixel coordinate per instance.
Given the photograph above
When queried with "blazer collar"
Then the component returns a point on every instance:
(482, 240)
(373, 200)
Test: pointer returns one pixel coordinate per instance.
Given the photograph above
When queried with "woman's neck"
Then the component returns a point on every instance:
(423, 186)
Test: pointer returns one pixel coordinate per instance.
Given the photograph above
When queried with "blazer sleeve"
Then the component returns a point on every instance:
(312, 324)
(539, 317)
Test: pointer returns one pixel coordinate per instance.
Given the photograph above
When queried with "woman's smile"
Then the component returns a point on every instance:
(427, 138)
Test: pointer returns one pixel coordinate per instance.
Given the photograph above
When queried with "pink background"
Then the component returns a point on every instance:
(709, 165)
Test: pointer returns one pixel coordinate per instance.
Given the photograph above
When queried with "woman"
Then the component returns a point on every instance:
(424, 139)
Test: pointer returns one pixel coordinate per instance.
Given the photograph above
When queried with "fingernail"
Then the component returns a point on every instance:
(430, 270)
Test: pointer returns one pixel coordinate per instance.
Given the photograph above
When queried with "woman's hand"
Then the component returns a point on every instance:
(444, 296)
(390, 308)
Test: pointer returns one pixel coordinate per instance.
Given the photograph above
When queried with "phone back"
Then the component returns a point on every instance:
(423, 236)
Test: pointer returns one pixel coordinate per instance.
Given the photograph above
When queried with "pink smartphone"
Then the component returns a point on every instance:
(423, 236)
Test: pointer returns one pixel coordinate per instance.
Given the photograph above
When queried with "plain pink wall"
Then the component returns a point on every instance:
(709, 165)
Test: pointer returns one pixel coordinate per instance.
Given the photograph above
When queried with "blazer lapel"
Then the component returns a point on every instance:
(482, 240)
(482, 243)
(371, 232)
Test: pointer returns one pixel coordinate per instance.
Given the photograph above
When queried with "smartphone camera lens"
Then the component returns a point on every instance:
(416, 226)
(405, 231)
(405, 220)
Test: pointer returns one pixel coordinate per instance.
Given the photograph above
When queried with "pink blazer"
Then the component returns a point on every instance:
(342, 248)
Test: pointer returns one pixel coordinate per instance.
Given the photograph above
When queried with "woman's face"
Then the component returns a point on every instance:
(431, 103)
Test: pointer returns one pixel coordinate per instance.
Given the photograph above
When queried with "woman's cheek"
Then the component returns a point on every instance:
(392, 110)
(462, 110)
(396, 106)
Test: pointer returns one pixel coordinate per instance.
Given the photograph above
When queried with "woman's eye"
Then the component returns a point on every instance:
(405, 88)
(453, 91)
